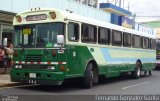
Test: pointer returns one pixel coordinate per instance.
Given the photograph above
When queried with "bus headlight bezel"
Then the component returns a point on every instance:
(18, 66)
(51, 68)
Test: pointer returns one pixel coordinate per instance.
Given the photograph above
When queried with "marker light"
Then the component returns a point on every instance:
(62, 68)
(19, 18)
(53, 15)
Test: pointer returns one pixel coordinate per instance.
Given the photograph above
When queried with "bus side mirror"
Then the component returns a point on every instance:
(5, 42)
(60, 39)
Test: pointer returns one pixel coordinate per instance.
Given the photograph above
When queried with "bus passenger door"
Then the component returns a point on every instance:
(73, 63)
(73, 66)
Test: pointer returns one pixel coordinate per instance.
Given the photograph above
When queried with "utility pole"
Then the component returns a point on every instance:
(44, 3)
(134, 18)
(116, 2)
(119, 3)
(123, 3)
(128, 6)
(12, 6)
(29, 4)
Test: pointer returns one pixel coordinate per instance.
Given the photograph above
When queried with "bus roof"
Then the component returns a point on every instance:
(65, 15)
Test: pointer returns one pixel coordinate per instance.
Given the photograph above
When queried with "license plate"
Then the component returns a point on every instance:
(32, 75)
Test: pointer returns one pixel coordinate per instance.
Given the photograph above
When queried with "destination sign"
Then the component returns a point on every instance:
(36, 17)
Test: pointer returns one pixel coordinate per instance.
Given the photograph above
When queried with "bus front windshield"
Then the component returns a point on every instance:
(38, 35)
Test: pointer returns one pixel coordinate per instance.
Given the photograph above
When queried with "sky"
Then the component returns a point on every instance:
(143, 9)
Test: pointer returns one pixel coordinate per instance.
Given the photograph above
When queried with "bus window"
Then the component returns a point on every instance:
(136, 41)
(73, 31)
(116, 38)
(145, 43)
(103, 36)
(126, 40)
(153, 44)
(89, 33)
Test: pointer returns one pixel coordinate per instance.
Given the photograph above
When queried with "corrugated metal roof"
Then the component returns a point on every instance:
(6, 16)
(7, 12)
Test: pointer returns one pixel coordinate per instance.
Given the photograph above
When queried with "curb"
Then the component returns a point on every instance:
(10, 84)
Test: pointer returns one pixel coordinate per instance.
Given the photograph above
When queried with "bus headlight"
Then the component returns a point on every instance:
(51, 67)
(18, 66)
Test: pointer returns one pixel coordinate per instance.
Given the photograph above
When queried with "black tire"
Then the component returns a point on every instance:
(88, 78)
(137, 72)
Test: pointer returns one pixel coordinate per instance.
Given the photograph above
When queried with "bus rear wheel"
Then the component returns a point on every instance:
(137, 72)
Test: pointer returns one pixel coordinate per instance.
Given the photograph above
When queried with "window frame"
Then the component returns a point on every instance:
(116, 43)
(88, 33)
(136, 41)
(107, 41)
(143, 43)
(153, 45)
(125, 44)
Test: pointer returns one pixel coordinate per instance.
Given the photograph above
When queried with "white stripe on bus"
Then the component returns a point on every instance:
(23, 62)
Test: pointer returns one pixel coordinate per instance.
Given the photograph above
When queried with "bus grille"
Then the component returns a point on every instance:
(33, 58)
(35, 66)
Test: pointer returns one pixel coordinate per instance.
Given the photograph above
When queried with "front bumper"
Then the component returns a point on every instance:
(34, 81)
(41, 77)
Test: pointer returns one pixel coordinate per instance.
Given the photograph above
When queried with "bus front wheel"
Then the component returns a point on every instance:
(88, 78)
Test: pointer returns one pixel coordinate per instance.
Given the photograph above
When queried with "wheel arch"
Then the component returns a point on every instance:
(139, 62)
(137, 70)
(95, 65)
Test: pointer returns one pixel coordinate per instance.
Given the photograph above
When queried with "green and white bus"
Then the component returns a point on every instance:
(51, 46)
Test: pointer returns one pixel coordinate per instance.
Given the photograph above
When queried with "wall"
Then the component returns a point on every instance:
(156, 25)
(145, 28)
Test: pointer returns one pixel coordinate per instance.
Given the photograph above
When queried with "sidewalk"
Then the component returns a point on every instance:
(5, 81)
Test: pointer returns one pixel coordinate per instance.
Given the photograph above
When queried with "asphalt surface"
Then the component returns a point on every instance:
(124, 85)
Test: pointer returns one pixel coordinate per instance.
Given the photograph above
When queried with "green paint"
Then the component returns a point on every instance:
(76, 58)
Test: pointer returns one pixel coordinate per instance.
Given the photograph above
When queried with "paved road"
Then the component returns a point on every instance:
(149, 85)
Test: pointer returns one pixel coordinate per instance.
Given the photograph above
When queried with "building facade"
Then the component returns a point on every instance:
(6, 28)
(156, 25)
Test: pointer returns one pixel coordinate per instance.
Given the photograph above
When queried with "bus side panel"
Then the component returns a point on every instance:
(148, 66)
(119, 60)
(111, 61)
